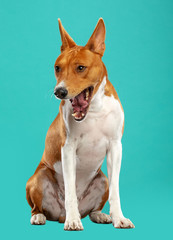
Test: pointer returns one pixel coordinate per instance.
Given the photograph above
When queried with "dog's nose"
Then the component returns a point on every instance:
(60, 92)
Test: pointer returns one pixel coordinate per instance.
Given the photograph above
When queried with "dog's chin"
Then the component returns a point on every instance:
(81, 103)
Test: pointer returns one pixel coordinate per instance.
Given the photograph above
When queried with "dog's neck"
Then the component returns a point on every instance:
(97, 100)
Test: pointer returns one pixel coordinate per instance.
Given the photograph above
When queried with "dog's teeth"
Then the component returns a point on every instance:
(74, 114)
(87, 94)
(77, 117)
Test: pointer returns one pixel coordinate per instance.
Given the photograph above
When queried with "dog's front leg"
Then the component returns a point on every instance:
(72, 221)
(114, 156)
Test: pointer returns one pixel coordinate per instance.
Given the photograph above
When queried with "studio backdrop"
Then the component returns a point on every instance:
(139, 60)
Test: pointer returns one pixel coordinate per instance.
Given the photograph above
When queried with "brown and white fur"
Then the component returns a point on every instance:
(68, 184)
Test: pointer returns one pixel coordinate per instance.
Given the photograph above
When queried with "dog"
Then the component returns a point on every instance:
(68, 184)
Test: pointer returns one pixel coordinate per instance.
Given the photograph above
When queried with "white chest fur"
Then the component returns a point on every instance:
(92, 136)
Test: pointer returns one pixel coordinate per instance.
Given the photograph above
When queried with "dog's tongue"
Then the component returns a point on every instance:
(79, 103)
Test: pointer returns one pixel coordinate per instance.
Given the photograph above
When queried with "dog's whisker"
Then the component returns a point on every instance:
(50, 93)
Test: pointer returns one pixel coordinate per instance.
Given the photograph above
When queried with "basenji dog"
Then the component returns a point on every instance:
(68, 184)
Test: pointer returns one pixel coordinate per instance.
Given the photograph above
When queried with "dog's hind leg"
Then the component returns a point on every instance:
(99, 217)
(42, 196)
(94, 200)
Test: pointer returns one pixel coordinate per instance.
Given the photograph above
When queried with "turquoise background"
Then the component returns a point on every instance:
(139, 60)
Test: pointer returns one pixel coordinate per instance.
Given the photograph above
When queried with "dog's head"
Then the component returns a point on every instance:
(80, 70)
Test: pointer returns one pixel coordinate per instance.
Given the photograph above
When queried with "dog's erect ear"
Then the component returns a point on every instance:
(67, 41)
(96, 42)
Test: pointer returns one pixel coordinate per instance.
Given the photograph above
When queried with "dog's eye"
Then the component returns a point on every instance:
(57, 69)
(81, 68)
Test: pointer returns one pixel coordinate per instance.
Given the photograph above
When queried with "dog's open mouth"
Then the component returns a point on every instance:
(80, 103)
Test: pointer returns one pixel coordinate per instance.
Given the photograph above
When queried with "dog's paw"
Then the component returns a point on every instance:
(73, 225)
(123, 223)
(99, 217)
(38, 219)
